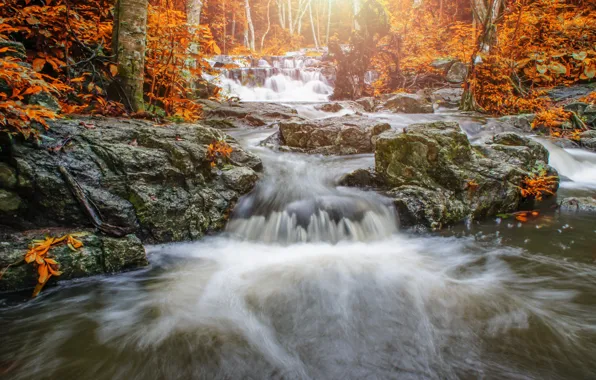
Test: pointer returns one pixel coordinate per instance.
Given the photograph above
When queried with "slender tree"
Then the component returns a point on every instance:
(195, 8)
(251, 27)
(130, 42)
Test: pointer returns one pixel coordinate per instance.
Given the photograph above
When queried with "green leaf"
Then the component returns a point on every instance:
(541, 68)
(557, 68)
(579, 56)
(590, 71)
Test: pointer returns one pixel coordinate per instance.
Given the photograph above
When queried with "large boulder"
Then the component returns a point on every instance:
(99, 254)
(447, 96)
(342, 135)
(408, 103)
(154, 181)
(239, 114)
(436, 177)
(457, 73)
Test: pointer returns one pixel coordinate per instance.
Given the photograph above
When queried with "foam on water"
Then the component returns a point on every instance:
(578, 167)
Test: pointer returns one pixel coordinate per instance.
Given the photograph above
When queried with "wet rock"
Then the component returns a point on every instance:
(447, 96)
(154, 181)
(9, 202)
(330, 107)
(15, 49)
(565, 93)
(342, 135)
(457, 73)
(8, 176)
(368, 104)
(436, 177)
(577, 107)
(45, 99)
(230, 114)
(578, 204)
(408, 103)
(99, 255)
(588, 140)
(520, 123)
(363, 178)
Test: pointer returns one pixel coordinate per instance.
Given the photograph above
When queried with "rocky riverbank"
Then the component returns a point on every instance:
(132, 180)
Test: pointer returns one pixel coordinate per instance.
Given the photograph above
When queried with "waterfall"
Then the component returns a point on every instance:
(576, 165)
(294, 79)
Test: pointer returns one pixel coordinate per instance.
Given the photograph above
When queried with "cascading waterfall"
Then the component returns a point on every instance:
(285, 79)
(576, 165)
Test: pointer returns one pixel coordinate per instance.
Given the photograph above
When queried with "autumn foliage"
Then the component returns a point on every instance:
(69, 56)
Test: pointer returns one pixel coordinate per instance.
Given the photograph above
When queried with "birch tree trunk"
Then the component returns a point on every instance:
(312, 24)
(356, 9)
(328, 22)
(130, 44)
(251, 27)
(281, 10)
(268, 24)
(195, 7)
(290, 21)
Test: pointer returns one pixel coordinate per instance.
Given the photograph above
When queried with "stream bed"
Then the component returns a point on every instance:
(315, 281)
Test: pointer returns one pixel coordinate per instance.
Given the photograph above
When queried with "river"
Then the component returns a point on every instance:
(315, 281)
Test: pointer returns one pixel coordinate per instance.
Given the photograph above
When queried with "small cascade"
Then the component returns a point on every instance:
(310, 208)
(576, 165)
(296, 78)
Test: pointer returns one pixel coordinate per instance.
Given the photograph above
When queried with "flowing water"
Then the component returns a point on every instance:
(315, 281)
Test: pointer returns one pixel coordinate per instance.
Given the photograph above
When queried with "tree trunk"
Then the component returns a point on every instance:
(130, 42)
(328, 22)
(282, 13)
(268, 24)
(251, 27)
(195, 7)
(487, 14)
(290, 21)
(312, 24)
(356, 8)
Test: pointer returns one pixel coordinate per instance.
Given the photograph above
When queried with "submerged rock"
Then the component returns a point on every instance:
(340, 135)
(154, 181)
(436, 177)
(99, 255)
(408, 103)
(578, 204)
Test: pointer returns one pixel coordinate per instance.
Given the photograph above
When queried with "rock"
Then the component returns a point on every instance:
(257, 114)
(442, 63)
(15, 49)
(330, 107)
(99, 255)
(578, 204)
(362, 178)
(8, 176)
(518, 123)
(368, 104)
(154, 181)
(436, 177)
(457, 73)
(9, 202)
(590, 116)
(565, 93)
(587, 140)
(341, 135)
(45, 99)
(577, 107)
(408, 103)
(447, 96)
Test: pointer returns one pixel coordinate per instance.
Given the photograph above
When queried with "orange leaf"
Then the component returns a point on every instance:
(40, 286)
(42, 270)
(114, 70)
(38, 64)
(521, 218)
